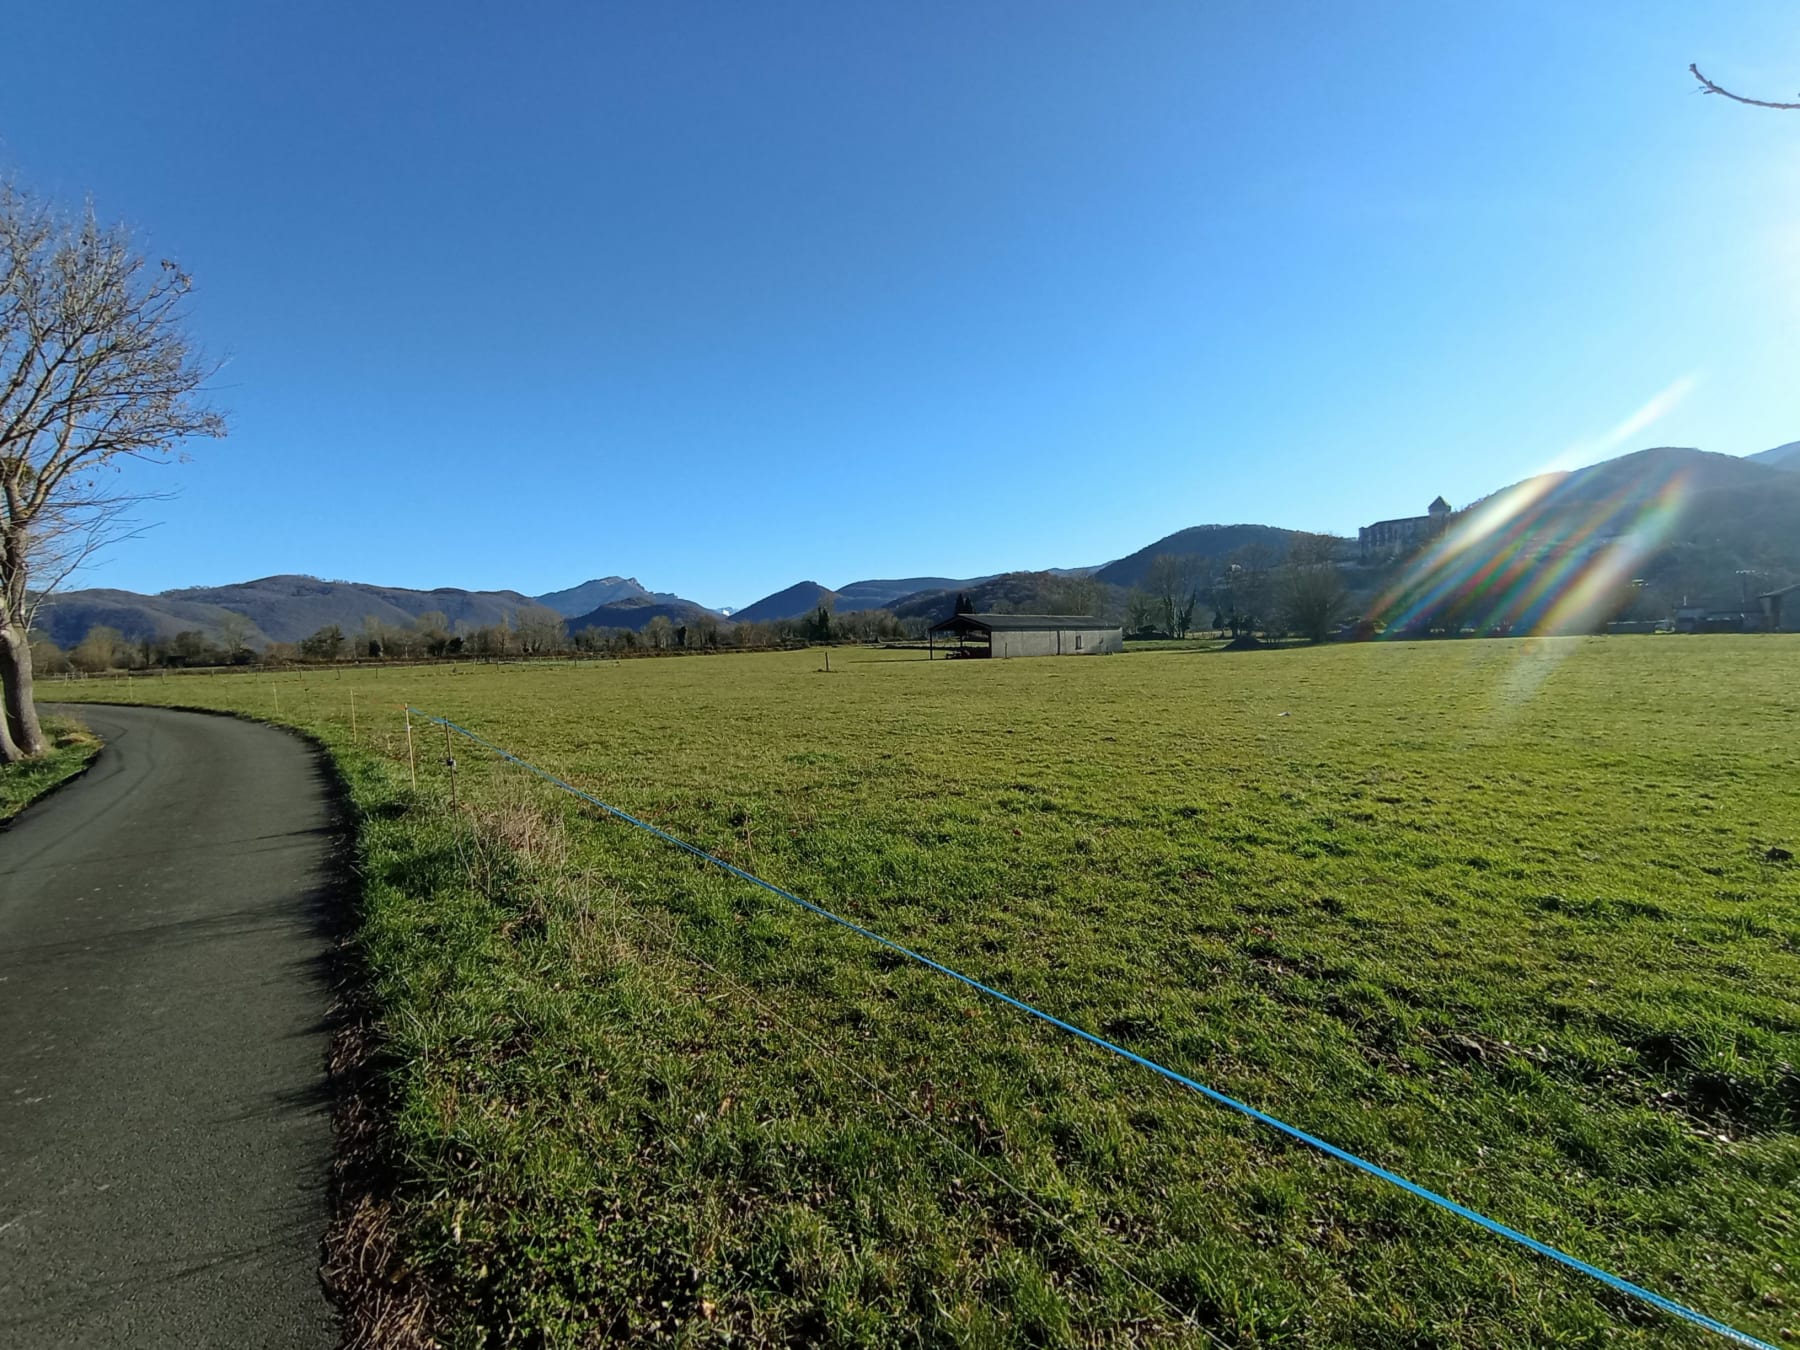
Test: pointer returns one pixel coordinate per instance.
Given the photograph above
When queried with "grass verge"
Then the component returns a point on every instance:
(72, 749)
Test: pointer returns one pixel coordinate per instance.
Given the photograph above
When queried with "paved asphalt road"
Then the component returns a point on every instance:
(164, 1124)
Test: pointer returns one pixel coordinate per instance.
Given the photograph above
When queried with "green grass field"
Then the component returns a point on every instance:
(1501, 916)
(71, 747)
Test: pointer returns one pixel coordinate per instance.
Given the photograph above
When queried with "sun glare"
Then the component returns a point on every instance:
(1657, 407)
(1543, 558)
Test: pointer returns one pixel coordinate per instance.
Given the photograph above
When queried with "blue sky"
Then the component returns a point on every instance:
(725, 296)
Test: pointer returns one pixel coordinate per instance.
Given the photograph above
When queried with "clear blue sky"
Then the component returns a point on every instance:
(729, 295)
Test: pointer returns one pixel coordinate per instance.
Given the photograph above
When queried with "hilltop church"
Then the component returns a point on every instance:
(1386, 538)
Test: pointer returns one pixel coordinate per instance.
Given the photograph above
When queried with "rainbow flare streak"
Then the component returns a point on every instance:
(1533, 560)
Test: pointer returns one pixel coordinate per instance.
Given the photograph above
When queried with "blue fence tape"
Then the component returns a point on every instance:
(1623, 1286)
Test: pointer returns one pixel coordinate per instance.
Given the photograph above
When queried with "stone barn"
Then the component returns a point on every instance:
(1006, 635)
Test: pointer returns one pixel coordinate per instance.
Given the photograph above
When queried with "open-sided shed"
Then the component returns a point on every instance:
(1773, 603)
(1007, 635)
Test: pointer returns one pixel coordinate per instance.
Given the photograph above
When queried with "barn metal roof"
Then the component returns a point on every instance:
(1021, 623)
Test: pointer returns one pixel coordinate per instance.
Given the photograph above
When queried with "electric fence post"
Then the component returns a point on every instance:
(450, 764)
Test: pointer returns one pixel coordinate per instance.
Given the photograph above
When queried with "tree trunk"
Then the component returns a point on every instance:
(21, 710)
(9, 752)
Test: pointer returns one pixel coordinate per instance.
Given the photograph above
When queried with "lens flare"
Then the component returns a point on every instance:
(1546, 557)
(1471, 558)
(1659, 406)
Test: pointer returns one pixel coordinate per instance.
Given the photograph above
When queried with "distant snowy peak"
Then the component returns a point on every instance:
(590, 595)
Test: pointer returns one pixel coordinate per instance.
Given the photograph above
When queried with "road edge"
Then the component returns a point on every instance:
(378, 1302)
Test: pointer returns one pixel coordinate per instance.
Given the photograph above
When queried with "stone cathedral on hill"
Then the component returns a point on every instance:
(1385, 538)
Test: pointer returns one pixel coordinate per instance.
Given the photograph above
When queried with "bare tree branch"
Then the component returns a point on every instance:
(96, 369)
(1708, 87)
(72, 533)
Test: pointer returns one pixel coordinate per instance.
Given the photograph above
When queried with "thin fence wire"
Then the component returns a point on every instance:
(843, 1062)
(1615, 1282)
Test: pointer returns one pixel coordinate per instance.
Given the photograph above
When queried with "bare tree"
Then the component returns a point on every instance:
(325, 645)
(703, 630)
(1308, 592)
(1310, 550)
(95, 369)
(1708, 87)
(1240, 592)
(99, 650)
(234, 632)
(541, 629)
(1312, 599)
(1173, 581)
(67, 535)
(1079, 595)
(1140, 611)
(433, 628)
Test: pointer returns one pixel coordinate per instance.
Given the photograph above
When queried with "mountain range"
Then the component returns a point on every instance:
(1781, 457)
(802, 597)
(1636, 536)
(1737, 515)
(601, 592)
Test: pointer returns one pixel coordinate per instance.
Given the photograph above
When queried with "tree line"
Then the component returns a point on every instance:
(528, 632)
(1250, 591)
(1300, 594)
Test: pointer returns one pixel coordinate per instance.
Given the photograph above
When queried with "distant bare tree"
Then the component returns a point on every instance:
(1311, 599)
(1173, 580)
(1240, 591)
(540, 629)
(1307, 550)
(95, 369)
(47, 656)
(325, 645)
(234, 631)
(703, 631)
(1140, 611)
(1079, 595)
(659, 632)
(433, 628)
(1708, 87)
(100, 650)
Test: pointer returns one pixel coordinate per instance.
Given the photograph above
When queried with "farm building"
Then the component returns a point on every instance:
(1774, 619)
(1000, 635)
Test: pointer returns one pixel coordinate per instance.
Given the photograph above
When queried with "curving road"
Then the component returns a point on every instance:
(164, 1124)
